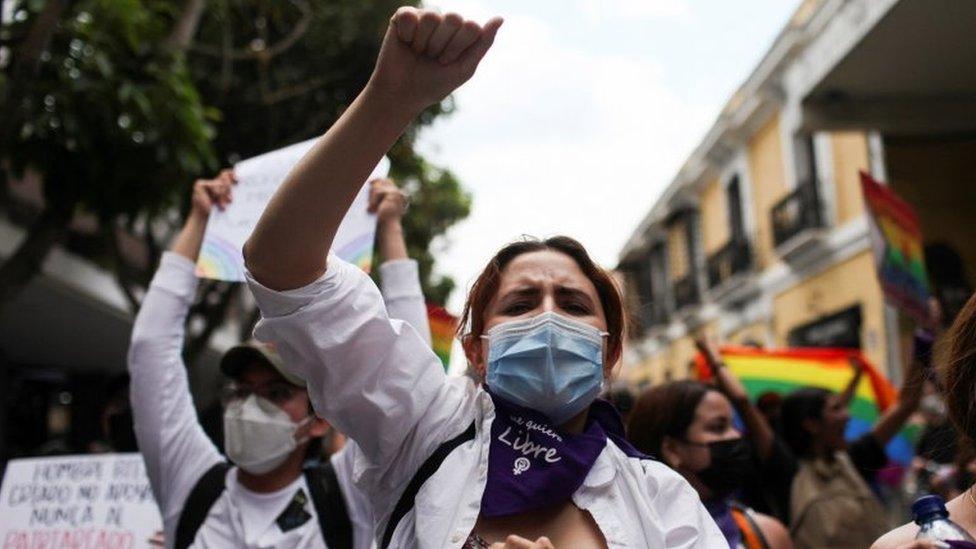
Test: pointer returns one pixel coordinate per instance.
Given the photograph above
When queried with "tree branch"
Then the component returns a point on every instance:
(123, 270)
(186, 26)
(25, 64)
(50, 229)
(269, 97)
(296, 34)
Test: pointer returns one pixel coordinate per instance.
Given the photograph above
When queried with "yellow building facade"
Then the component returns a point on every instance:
(762, 238)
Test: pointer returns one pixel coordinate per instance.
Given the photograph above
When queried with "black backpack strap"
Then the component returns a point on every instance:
(330, 506)
(202, 497)
(429, 467)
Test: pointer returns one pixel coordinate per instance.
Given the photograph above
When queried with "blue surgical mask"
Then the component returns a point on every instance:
(549, 363)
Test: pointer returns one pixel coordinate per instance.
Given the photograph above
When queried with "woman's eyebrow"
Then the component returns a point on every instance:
(524, 291)
(568, 291)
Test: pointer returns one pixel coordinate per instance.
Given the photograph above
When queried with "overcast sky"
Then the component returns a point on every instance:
(582, 113)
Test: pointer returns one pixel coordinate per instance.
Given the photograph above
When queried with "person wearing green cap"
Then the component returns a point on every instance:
(268, 495)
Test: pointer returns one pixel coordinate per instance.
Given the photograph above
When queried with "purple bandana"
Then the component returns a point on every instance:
(532, 465)
(721, 513)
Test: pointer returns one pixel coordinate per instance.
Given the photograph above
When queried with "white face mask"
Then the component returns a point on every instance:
(259, 436)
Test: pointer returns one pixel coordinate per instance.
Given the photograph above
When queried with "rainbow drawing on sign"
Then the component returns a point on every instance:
(220, 260)
(786, 370)
(358, 251)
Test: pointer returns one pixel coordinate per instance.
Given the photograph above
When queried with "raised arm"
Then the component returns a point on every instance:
(760, 431)
(847, 395)
(399, 275)
(424, 57)
(909, 398)
(370, 375)
(173, 444)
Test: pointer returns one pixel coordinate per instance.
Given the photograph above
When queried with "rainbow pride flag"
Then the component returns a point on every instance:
(785, 370)
(897, 242)
(442, 327)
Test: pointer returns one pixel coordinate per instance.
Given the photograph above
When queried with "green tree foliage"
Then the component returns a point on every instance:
(109, 120)
(119, 104)
(113, 120)
(283, 71)
(437, 202)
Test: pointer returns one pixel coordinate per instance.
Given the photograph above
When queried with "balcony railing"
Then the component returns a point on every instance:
(796, 212)
(685, 291)
(731, 259)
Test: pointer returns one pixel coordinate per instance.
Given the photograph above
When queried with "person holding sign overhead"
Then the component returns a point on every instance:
(533, 461)
(267, 496)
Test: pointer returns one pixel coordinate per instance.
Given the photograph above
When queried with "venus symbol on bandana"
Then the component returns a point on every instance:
(522, 465)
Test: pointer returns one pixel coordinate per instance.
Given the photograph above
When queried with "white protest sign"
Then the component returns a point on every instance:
(86, 501)
(257, 180)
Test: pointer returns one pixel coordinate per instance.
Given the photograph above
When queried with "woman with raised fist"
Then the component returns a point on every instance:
(528, 458)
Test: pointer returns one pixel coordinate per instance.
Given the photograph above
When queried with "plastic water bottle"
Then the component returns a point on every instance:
(934, 524)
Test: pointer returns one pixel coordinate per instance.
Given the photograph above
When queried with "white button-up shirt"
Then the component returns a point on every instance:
(175, 448)
(379, 382)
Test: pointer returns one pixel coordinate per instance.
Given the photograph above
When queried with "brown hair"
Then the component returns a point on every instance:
(486, 287)
(664, 411)
(959, 370)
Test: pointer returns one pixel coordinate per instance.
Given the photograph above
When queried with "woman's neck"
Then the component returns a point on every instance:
(962, 510)
(822, 452)
(576, 424)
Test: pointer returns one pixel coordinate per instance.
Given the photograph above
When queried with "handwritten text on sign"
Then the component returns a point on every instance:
(96, 501)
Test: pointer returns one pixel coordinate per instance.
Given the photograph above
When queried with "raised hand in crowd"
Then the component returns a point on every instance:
(389, 204)
(207, 194)
(909, 398)
(759, 429)
(847, 395)
(424, 57)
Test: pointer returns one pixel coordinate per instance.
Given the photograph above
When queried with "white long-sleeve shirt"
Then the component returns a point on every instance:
(174, 446)
(377, 380)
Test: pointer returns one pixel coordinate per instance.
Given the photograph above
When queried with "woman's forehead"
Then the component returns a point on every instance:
(545, 267)
(713, 404)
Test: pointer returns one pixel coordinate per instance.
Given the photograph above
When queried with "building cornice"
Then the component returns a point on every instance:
(761, 95)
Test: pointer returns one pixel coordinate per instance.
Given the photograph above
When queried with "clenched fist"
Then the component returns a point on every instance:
(386, 201)
(426, 55)
(208, 193)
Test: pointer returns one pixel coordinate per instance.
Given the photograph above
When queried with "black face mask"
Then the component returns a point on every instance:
(731, 461)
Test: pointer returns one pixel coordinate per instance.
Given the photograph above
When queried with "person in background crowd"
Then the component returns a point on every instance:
(116, 419)
(622, 399)
(831, 500)
(770, 405)
(535, 461)
(689, 425)
(957, 368)
(264, 500)
(765, 486)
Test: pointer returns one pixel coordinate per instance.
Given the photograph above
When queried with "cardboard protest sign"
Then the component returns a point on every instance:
(85, 501)
(898, 252)
(258, 178)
